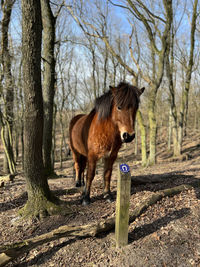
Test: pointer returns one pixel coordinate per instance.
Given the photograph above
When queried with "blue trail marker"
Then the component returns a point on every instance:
(124, 168)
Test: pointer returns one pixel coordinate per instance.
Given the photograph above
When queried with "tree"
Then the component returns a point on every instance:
(40, 200)
(189, 68)
(169, 65)
(179, 123)
(148, 18)
(48, 23)
(7, 119)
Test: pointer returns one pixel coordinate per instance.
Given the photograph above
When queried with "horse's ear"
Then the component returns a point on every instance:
(141, 90)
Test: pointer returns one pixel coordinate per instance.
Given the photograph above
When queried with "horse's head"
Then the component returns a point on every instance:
(125, 106)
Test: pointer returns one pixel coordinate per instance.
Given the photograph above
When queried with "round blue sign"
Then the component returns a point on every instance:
(124, 168)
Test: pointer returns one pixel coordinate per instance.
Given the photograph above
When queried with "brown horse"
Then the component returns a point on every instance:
(102, 132)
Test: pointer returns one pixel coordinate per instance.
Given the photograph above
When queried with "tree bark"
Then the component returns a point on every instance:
(48, 22)
(152, 127)
(8, 81)
(169, 63)
(143, 138)
(40, 200)
(6, 137)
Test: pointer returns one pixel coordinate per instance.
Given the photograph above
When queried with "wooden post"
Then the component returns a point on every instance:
(122, 206)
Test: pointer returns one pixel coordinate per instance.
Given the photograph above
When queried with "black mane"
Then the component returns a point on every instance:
(124, 96)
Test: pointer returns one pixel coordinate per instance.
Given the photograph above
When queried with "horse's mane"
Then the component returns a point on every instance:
(124, 96)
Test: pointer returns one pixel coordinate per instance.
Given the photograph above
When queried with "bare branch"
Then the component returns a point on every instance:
(103, 37)
(134, 59)
(124, 7)
(149, 12)
(146, 24)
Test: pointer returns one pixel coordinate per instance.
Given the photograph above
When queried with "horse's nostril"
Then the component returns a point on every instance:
(125, 136)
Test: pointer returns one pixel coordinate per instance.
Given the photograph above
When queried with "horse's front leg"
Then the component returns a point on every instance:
(90, 176)
(108, 165)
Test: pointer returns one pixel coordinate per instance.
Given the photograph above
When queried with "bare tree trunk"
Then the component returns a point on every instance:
(6, 137)
(153, 129)
(54, 137)
(169, 63)
(22, 114)
(136, 137)
(105, 69)
(185, 94)
(7, 76)
(169, 143)
(48, 22)
(143, 138)
(40, 200)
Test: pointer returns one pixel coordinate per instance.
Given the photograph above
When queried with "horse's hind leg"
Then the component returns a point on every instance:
(90, 176)
(83, 161)
(80, 164)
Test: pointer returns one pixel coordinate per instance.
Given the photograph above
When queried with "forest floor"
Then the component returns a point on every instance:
(167, 234)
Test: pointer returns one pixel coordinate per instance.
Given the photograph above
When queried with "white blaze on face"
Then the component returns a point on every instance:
(129, 128)
(122, 131)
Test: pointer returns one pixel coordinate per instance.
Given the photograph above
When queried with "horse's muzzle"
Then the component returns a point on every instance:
(127, 138)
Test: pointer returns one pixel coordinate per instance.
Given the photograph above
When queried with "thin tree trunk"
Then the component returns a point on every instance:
(173, 112)
(22, 114)
(185, 94)
(143, 138)
(54, 137)
(105, 69)
(152, 134)
(6, 137)
(169, 130)
(136, 137)
(48, 22)
(22, 143)
(7, 76)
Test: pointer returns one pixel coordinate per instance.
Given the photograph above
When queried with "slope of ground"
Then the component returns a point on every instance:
(166, 234)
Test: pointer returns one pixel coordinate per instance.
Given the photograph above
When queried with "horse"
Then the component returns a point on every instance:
(101, 133)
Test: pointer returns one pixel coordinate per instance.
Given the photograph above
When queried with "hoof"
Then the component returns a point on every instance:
(86, 201)
(78, 184)
(108, 197)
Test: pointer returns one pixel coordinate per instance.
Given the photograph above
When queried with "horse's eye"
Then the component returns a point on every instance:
(119, 108)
